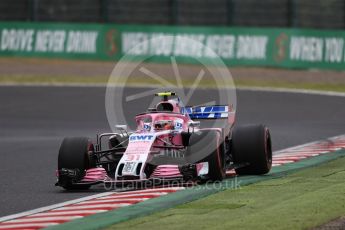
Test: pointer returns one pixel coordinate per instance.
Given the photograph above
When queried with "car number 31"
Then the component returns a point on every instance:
(128, 167)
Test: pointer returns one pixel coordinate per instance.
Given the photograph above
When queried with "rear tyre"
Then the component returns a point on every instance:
(74, 154)
(208, 143)
(251, 145)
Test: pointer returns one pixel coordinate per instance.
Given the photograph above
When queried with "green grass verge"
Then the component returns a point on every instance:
(301, 200)
(138, 81)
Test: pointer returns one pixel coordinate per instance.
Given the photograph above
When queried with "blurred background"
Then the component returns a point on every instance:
(318, 14)
(295, 35)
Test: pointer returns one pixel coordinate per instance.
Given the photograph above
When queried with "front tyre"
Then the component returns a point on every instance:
(251, 146)
(74, 155)
(209, 144)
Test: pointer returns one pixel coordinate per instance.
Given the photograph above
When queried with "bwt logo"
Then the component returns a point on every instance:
(141, 137)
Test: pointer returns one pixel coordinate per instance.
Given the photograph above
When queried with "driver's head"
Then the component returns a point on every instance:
(164, 125)
(168, 126)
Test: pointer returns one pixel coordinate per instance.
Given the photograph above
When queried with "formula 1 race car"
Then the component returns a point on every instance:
(168, 145)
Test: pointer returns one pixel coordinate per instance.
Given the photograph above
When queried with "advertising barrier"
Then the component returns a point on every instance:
(237, 46)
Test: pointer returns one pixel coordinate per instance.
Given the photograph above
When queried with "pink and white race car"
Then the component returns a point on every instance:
(167, 146)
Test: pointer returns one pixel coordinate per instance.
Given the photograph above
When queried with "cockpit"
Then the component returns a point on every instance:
(166, 115)
(164, 125)
(159, 122)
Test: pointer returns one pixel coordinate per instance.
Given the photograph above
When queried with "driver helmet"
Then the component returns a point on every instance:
(164, 125)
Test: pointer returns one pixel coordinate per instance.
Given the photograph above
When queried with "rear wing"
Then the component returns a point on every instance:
(207, 112)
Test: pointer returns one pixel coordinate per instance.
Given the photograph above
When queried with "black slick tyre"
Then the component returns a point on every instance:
(251, 146)
(208, 144)
(74, 155)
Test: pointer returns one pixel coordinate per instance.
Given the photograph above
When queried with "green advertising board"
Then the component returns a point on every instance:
(275, 47)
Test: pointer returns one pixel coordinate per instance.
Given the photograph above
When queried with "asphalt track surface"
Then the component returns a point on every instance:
(34, 120)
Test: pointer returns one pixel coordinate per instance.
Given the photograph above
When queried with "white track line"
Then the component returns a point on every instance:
(256, 89)
(80, 212)
(306, 151)
(109, 201)
(287, 90)
(124, 196)
(282, 161)
(13, 84)
(289, 157)
(121, 194)
(26, 226)
(43, 219)
(306, 144)
(50, 207)
(305, 155)
(93, 206)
